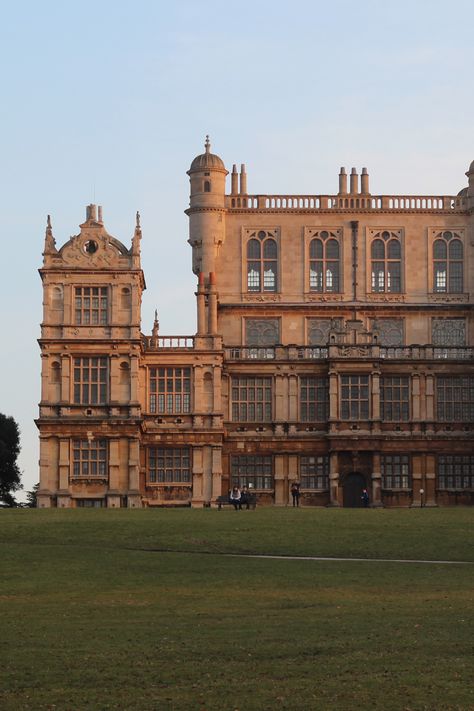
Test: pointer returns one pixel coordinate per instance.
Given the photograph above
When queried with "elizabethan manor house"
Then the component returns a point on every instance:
(334, 346)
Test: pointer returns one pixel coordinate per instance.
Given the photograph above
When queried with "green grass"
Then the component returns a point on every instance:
(140, 610)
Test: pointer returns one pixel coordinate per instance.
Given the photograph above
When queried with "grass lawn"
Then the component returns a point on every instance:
(107, 609)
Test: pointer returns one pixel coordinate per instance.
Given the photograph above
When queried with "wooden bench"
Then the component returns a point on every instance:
(225, 501)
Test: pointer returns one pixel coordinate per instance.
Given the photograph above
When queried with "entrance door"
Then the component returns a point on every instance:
(352, 489)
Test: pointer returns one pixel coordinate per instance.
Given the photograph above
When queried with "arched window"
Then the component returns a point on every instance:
(324, 263)
(386, 268)
(207, 186)
(448, 256)
(262, 262)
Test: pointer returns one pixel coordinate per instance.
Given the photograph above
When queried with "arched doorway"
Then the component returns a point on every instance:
(352, 488)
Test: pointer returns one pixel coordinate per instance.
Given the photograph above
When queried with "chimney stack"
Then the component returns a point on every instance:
(354, 182)
(243, 180)
(343, 182)
(235, 180)
(364, 182)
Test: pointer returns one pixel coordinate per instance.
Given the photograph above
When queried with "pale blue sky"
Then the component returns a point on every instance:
(109, 102)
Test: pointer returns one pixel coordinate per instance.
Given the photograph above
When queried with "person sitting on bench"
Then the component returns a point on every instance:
(235, 498)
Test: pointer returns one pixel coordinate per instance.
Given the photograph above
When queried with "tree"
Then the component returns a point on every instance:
(31, 497)
(9, 451)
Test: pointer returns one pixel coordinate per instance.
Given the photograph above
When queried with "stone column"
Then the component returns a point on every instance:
(67, 395)
(334, 479)
(279, 477)
(134, 380)
(429, 394)
(415, 397)
(280, 409)
(134, 498)
(376, 398)
(217, 394)
(64, 496)
(114, 465)
(376, 480)
(47, 485)
(114, 379)
(292, 398)
(197, 476)
(216, 473)
(333, 399)
(45, 367)
(417, 478)
(430, 480)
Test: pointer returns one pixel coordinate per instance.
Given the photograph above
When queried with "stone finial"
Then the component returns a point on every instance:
(49, 241)
(207, 144)
(137, 235)
(156, 325)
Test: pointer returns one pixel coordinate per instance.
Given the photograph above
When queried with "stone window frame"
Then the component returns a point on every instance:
(85, 309)
(89, 387)
(314, 476)
(397, 407)
(247, 234)
(455, 472)
(362, 401)
(396, 472)
(310, 233)
(169, 466)
(169, 391)
(241, 400)
(435, 233)
(372, 234)
(89, 458)
(454, 398)
(310, 403)
(252, 470)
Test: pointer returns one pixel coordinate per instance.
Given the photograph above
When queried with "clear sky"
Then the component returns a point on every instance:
(109, 102)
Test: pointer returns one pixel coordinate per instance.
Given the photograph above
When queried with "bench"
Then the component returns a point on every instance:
(225, 501)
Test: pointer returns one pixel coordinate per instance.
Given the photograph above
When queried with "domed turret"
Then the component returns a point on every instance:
(207, 176)
(470, 177)
(207, 161)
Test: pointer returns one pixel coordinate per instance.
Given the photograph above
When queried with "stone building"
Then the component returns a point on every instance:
(334, 346)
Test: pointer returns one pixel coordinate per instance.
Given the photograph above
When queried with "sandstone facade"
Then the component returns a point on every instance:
(334, 346)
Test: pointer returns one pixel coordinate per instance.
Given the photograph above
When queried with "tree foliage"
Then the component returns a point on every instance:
(31, 497)
(9, 451)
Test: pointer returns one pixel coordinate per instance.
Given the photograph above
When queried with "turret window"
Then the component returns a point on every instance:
(448, 256)
(207, 186)
(386, 257)
(324, 263)
(262, 262)
(91, 305)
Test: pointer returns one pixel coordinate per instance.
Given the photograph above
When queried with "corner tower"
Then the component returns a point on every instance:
(207, 175)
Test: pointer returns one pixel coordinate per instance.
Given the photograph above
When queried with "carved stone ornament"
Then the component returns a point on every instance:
(389, 331)
(319, 328)
(448, 331)
(262, 332)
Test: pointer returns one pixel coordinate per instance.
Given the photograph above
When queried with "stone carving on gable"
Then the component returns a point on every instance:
(389, 331)
(448, 331)
(262, 332)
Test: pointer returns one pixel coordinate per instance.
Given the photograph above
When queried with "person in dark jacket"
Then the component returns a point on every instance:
(365, 498)
(295, 493)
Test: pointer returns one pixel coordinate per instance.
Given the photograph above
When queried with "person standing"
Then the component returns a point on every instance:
(365, 498)
(295, 493)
